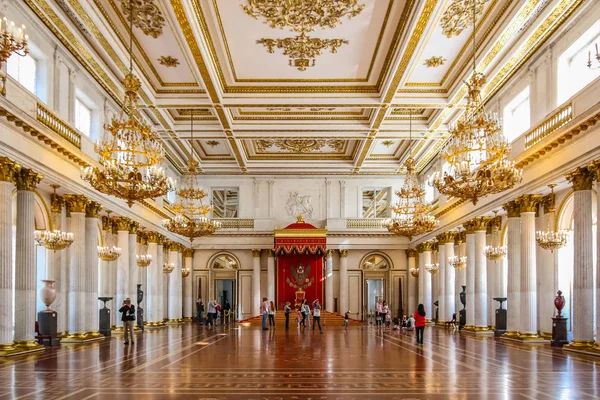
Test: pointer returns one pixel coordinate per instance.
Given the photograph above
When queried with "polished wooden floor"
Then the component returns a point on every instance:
(192, 362)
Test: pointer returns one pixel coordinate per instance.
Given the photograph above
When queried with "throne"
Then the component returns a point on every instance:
(299, 298)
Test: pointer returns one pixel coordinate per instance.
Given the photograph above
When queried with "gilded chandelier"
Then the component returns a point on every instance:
(434, 267)
(190, 219)
(458, 262)
(11, 41)
(108, 252)
(130, 153)
(143, 260)
(477, 152)
(414, 271)
(551, 239)
(411, 213)
(54, 239)
(168, 268)
(495, 252)
(185, 272)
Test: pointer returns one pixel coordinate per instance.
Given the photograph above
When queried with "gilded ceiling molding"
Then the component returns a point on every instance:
(459, 15)
(168, 61)
(300, 145)
(146, 16)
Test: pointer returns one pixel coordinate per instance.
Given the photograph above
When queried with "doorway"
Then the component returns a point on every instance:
(225, 292)
(374, 290)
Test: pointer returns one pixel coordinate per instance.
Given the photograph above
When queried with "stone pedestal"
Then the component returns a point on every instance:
(500, 318)
(104, 317)
(559, 332)
(47, 323)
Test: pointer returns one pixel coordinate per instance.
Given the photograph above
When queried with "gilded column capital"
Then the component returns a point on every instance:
(446, 237)
(8, 169)
(494, 225)
(581, 179)
(529, 202)
(328, 253)
(343, 253)
(425, 246)
(76, 202)
(512, 209)
(27, 179)
(179, 247)
(56, 203)
(152, 237)
(595, 167)
(411, 253)
(270, 253)
(140, 237)
(477, 224)
(255, 252)
(188, 252)
(549, 203)
(122, 223)
(133, 227)
(92, 209)
(460, 238)
(161, 238)
(435, 246)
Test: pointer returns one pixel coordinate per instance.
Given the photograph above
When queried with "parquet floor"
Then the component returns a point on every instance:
(192, 362)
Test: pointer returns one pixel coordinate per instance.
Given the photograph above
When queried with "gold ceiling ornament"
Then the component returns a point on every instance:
(411, 213)
(108, 252)
(551, 239)
(12, 41)
(168, 61)
(387, 143)
(434, 62)
(146, 16)
(459, 15)
(477, 152)
(494, 251)
(212, 143)
(53, 239)
(300, 145)
(302, 50)
(303, 15)
(191, 218)
(130, 152)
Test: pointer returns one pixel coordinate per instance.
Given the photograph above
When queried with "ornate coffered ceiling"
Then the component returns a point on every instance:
(254, 113)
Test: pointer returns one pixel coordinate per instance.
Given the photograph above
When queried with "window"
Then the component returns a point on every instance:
(516, 116)
(225, 203)
(375, 203)
(171, 197)
(573, 72)
(83, 117)
(23, 70)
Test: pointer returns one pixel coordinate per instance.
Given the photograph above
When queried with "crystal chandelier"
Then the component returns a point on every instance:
(477, 151)
(434, 267)
(411, 213)
(168, 268)
(495, 252)
(11, 41)
(108, 252)
(185, 272)
(53, 239)
(190, 219)
(458, 262)
(130, 153)
(551, 239)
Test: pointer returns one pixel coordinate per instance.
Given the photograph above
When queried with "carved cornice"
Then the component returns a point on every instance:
(188, 253)
(8, 169)
(92, 209)
(255, 252)
(76, 203)
(512, 209)
(122, 223)
(446, 237)
(27, 179)
(343, 253)
(528, 202)
(581, 179)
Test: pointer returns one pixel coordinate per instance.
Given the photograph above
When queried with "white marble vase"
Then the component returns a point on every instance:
(48, 293)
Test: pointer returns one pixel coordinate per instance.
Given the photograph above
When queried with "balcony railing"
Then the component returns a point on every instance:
(57, 125)
(236, 223)
(364, 223)
(549, 125)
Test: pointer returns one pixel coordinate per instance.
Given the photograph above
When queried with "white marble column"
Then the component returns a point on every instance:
(421, 278)
(480, 281)
(154, 271)
(76, 205)
(112, 267)
(104, 266)
(134, 270)
(8, 169)
(329, 280)
(92, 324)
(344, 282)
(583, 283)
(597, 258)
(162, 256)
(427, 288)
(122, 289)
(256, 298)
(441, 282)
(271, 275)
(174, 285)
(188, 298)
(59, 268)
(413, 283)
(470, 273)
(528, 297)
(449, 276)
(545, 267)
(513, 254)
(460, 274)
(491, 275)
(180, 283)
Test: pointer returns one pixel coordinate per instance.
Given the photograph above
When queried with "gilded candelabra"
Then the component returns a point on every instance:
(12, 42)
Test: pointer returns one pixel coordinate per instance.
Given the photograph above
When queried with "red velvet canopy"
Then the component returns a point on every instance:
(300, 248)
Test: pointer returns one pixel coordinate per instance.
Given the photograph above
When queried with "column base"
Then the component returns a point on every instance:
(525, 338)
(21, 347)
(584, 346)
(154, 325)
(483, 331)
(187, 319)
(180, 320)
(468, 328)
(173, 321)
(62, 334)
(510, 335)
(83, 337)
(546, 335)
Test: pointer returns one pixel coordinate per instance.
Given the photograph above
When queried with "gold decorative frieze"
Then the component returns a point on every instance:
(365, 223)
(459, 15)
(168, 61)
(8, 169)
(27, 179)
(146, 16)
(76, 203)
(235, 223)
(92, 209)
(300, 145)
(581, 179)
(434, 62)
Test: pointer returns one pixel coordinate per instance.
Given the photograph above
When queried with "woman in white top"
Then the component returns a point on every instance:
(272, 315)
(305, 310)
(317, 315)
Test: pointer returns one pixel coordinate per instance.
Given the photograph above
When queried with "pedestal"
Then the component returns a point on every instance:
(47, 323)
(462, 318)
(559, 332)
(105, 315)
(501, 318)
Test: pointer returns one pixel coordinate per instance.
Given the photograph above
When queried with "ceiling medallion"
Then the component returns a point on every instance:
(168, 61)
(146, 16)
(302, 16)
(387, 143)
(212, 143)
(130, 152)
(477, 152)
(300, 145)
(434, 62)
(459, 15)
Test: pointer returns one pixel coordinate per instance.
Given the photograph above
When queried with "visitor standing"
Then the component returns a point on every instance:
(264, 310)
(317, 315)
(200, 308)
(420, 323)
(384, 314)
(346, 319)
(378, 312)
(226, 311)
(286, 311)
(127, 311)
(212, 312)
(272, 314)
(305, 310)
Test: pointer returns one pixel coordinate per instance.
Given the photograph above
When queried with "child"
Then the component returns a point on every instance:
(410, 323)
(388, 319)
(346, 319)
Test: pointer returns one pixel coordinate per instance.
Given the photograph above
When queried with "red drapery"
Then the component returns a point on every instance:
(285, 276)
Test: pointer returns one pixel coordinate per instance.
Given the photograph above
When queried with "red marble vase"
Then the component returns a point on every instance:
(559, 302)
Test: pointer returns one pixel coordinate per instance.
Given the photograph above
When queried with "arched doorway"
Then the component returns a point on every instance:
(375, 268)
(223, 277)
